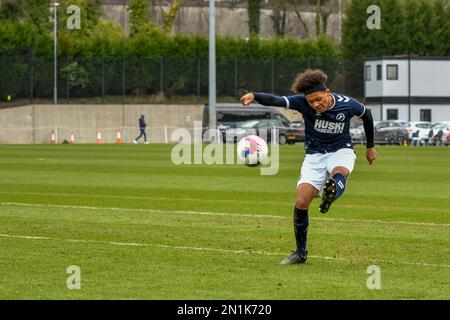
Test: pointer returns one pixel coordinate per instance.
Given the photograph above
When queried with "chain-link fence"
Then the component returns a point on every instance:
(164, 80)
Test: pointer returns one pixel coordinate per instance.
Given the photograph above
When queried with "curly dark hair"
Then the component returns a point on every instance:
(308, 79)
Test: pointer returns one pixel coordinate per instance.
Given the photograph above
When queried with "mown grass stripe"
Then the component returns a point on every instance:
(221, 214)
(258, 252)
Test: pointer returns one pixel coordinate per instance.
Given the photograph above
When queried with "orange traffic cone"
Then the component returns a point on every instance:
(99, 137)
(119, 137)
(72, 138)
(53, 138)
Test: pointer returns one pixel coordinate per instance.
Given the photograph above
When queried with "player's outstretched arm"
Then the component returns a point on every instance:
(371, 152)
(264, 99)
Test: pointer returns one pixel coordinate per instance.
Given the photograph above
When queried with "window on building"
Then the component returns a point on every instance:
(367, 74)
(392, 114)
(425, 114)
(392, 72)
(379, 72)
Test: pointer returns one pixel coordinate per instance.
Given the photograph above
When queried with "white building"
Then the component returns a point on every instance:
(408, 88)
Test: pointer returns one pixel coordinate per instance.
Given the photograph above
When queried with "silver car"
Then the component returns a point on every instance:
(390, 132)
(357, 132)
(262, 128)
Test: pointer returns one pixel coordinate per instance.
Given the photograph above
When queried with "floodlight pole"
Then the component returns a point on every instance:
(55, 45)
(212, 65)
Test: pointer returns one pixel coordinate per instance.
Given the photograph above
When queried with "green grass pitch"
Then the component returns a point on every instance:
(140, 227)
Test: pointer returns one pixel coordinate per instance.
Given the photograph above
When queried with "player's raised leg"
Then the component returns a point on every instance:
(340, 164)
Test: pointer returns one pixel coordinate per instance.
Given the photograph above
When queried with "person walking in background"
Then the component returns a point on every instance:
(142, 125)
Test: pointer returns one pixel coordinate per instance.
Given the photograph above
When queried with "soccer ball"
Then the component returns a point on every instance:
(252, 150)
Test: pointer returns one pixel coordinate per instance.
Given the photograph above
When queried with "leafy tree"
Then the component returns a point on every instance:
(170, 15)
(360, 42)
(35, 12)
(16, 36)
(419, 28)
(254, 8)
(90, 10)
(441, 28)
(90, 13)
(75, 75)
(138, 10)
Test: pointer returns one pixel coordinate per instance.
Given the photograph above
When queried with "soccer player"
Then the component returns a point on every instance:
(328, 145)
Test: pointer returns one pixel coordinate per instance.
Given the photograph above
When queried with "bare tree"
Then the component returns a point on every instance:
(296, 8)
(278, 16)
(281, 8)
(318, 17)
(325, 13)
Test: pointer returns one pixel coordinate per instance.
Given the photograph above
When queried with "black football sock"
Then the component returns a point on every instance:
(301, 223)
(340, 180)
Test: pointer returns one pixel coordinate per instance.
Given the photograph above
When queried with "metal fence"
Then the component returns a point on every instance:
(144, 80)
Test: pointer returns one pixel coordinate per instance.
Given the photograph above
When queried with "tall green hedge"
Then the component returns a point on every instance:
(137, 59)
(102, 58)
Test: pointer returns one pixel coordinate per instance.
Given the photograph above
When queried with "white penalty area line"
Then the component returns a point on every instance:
(227, 214)
(234, 251)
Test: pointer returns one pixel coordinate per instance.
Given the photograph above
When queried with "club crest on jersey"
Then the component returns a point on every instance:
(324, 126)
(340, 117)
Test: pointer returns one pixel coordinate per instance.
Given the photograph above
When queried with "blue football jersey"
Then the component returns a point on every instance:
(328, 131)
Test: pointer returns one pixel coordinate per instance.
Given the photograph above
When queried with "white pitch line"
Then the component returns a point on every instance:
(353, 206)
(432, 224)
(416, 263)
(133, 244)
(228, 214)
(258, 252)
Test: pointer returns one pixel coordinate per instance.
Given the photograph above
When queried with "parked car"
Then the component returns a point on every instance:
(419, 130)
(439, 133)
(295, 132)
(229, 115)
(390, 132)
(357, 132)
(434, 130)
(446, 136)
(261, 128)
